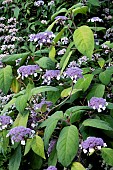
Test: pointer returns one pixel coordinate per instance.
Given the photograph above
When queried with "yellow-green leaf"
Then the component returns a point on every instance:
(77, 166)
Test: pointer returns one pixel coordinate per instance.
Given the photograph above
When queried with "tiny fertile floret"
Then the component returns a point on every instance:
(97, 103)
(19, 134)
(5, 121)
(91, 144)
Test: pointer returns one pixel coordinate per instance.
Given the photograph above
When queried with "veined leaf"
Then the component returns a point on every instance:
(107, 155)
(101, 62)
(38, 146)
(82, 10)
(97, 123)
(67, 145)
(28, 146)
(21, 103)
(94, 2)
(84, 40)
(46, 63)
(69, 91)
(52, 53)
(105, 77)
(77, 166)
(16, 12)
(6, 79)
(21, 120)
(58, 36)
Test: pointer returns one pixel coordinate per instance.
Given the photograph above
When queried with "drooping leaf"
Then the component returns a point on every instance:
(58, 36)
(38, 146)
(105, 77)
(98, 28)
(77, 166)
(51, 26)
(46, 63)
(84, 40)
(75, 6)
(21, 120)
(36, 161)
(94, 2)
(43, 89)
(82, 10)
(107, 155)
(101, 62)
(67, 145)
(69, 91)
(52, 160)
(96, 91)
(52, 53)
(16, 12)
(6, 78)
(28, 146)
(21, 103)
(15, 159)
(15, 86)
(97, 123)
(63, 10)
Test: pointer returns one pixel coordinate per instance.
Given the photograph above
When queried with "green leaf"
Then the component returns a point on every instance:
(107, 155)
(94, 2)
(67, 145)
(8, 105)
(58, 36)
(97, 123)
(56, 116)
(84, 83)
(15, 86)
(66, 61)
(84, 40)
(38, 146)
(46, 63)
(96, 91)
(6, 79)
(63, 10)
(43, 89)
(74, 109)
(52, 160)
(21, 120)
(76, 116)
(77, 166)
(28, 146)
(16, 12)
(82, 10)
(75, 6)
(101, 62)
(15, 159)
(36, 161)
(52, 53)
(98, 28)
(21, 103)
(51, 26)
(105, 77)
(66, 54)
(69, 92)
(13, 57)
(48, 131)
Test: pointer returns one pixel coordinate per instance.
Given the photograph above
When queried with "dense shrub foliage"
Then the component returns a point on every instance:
(56, 66)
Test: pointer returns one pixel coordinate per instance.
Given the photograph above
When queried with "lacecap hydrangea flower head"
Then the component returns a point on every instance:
(19, 134)
(97, 103)
(91, 144)
(5, 121)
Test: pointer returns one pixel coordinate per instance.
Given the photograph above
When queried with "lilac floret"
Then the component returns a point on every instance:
(63, 18)
(51, 74)
(74, 73)
(25, 71)
(95, 19)
(39, 3)
(5, 121)
(19, 134)
(43, 102)
(92, 143)
(97, 103)
(42, 38)
(51, 168)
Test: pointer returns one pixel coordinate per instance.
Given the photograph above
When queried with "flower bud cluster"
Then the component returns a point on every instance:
(5, 121)
(42, 38)
(97, 103)
(91, 144)
(25, 71)
(19, 134)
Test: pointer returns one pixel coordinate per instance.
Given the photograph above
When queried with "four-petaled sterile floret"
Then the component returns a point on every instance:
(91, 144)
(5, 121)
(97, 103)
(19, 134)
(49, 75)
(25, 71)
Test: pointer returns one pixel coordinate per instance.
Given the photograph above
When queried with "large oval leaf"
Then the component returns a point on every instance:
(107, 155)
(77, 166)
(84, 40)
(67, 145)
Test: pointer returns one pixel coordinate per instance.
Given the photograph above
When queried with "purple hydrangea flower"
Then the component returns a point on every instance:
(25, 71)
(97, 103)
(61, 52)
(92, 143)
(5, 121)
(95, 19)
(39, 3)
(61, 19)
(49, 75)
(51, 168)
(43, 102)
(51, 146)
(18, 134)
(43, 38)
(74, 73)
